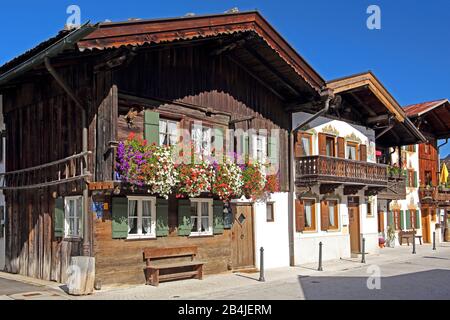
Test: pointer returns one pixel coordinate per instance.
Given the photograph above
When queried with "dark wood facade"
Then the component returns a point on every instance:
(187, 80)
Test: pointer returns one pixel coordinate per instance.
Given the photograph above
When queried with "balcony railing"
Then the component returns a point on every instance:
(337, 170)
(443, 195)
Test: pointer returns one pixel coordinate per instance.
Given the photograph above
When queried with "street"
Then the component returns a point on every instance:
(424, 276)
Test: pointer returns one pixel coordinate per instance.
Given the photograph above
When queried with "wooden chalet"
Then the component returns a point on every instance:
(433, 119)
(65, 108)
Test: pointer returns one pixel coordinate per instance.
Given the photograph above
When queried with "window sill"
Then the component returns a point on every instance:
(136, 238)
(201, 236)
(333, 230)
(72, 239)
(308, 231)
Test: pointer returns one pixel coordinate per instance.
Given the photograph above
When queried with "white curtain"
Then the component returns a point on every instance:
(132, 217)
(162, 132)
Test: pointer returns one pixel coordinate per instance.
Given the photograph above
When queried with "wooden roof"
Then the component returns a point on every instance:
(432, 117)
(373, 105)
(142, 32)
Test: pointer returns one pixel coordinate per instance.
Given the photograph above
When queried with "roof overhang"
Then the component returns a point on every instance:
(50, 49)
(366, 91)
(433, 117)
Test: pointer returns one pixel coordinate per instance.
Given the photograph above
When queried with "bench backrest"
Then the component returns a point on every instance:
(158, 253)
(407, 233)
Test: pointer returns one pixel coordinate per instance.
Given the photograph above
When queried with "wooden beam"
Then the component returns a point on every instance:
(251, 73)
(368, 109)
(380, 118)
(286, 81)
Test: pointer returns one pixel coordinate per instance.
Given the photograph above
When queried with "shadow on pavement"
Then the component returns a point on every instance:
(426, 285)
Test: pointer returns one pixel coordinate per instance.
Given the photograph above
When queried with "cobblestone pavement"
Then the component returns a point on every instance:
(425, 275)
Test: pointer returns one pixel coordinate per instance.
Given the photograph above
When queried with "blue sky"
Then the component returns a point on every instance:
(410, 54)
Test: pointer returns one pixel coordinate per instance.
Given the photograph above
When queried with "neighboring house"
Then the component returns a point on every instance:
(433, 119)
(337, 174)
(150, 77)
(2, 196)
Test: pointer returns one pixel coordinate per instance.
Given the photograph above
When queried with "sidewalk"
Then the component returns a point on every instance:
(281, 283)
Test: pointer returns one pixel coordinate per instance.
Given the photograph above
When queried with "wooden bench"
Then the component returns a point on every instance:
(171, 263)
(408, 235)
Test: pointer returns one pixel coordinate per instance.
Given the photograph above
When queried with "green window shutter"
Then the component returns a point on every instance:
(184, 217)
(272, 150)
(151, 127)
(218, 216)
(408, 219)
(58, 218)
(402, 219)
(162, 217)
(414, 147)
(416, 181)
(119, 218)
(218, 142)
(390, 218)
(417, 219)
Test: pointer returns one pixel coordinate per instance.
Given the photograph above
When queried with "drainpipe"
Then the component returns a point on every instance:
(291, 195)
(71, 94)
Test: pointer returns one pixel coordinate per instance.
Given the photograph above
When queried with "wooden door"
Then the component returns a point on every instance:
(353, 217)
(381, 221)
(242, 240)
(426, 225)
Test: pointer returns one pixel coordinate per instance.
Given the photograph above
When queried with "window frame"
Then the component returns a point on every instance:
(264, 150)
(313, 227)
(309, 136)
(356, 146)
(329, 138)
(201, 153)
(67, 200)
(167, 134)
(272, 204)
(335, 213)
(139, 234)
(397, 219)
(210, 232)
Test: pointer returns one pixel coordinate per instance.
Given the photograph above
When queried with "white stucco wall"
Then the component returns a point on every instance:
(412, 193)
(367, 136)
(272, 236)
(336, 244)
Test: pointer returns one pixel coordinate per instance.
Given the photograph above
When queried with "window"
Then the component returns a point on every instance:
(73, 216)
(411, 148)
(260, 148)
(310, 215)
(168, 132)
(202, 139)
(202, 217)
(397, 218)
(303, 145)
(352, 151)
(411, 178)
(270, 212)
(370, 209)
(141, 217)
(428, 178)
(329, 144)
(426, 148)
(333, 214)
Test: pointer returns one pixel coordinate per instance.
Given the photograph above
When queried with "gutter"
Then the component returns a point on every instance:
(65, 43)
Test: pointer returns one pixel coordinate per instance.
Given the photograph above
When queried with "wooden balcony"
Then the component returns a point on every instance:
(330, 170)
(395, 190)
(428, 195)
(443, 196)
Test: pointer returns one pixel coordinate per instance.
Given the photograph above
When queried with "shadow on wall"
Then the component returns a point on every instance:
(426, 285)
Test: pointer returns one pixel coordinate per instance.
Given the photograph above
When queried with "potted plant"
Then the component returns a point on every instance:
(391, 236)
